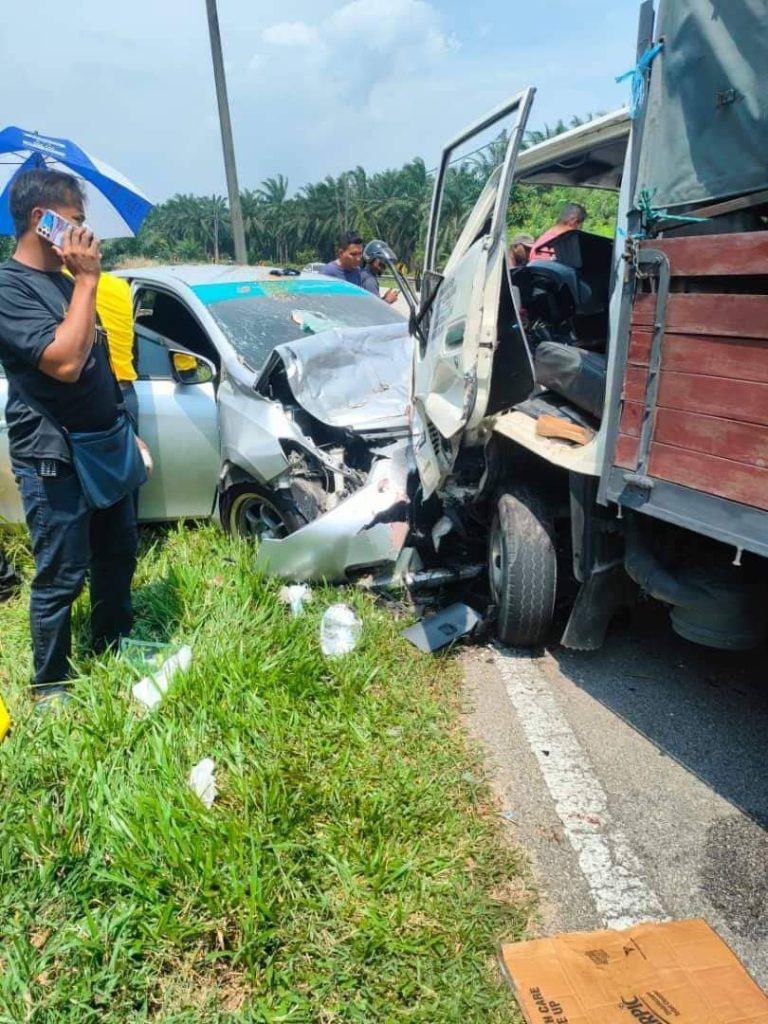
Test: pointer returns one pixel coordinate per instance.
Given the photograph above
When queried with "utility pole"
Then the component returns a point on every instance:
(227, 143)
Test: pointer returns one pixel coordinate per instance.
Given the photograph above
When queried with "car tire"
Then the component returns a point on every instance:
(522, 568)
(253, 512)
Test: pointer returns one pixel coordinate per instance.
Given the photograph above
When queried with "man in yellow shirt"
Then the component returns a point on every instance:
(115, 308)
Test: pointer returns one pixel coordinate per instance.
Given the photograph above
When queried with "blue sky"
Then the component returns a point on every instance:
(316, 86)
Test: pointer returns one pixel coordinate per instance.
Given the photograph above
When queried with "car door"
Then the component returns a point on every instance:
(179, 423)
(10, 501)
(460, 310)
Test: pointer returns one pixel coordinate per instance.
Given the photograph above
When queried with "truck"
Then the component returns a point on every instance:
(603, 415)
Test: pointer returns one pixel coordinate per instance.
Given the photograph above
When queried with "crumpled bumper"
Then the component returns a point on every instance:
(367, 529)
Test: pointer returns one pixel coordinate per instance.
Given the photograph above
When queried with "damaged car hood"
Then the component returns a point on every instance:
(358, 378)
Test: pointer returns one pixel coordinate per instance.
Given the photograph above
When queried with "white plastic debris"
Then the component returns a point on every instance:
(151, 688)
(340, 631)
(296, 596)
(202, 780)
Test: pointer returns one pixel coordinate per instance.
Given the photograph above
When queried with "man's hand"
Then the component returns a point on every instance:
(68, 353)
(391, 295)
(146, 456)
(80, 253)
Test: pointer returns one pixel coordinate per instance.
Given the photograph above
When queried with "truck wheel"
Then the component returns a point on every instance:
(253, 512)
(522, 566)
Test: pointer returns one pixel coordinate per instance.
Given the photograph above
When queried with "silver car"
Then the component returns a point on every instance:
(280, 402)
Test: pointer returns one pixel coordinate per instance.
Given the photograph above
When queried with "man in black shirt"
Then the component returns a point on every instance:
(59, 380)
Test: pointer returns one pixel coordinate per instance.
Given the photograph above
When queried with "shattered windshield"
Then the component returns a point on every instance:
(255, 316)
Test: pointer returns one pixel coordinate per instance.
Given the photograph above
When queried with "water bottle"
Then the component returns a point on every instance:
(340, 631)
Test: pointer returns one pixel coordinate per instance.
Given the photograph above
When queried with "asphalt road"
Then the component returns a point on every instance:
(636, 777)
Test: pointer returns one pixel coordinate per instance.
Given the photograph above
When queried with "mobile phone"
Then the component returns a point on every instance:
(52, 227)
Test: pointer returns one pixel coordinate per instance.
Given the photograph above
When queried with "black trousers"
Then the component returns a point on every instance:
(71, 541)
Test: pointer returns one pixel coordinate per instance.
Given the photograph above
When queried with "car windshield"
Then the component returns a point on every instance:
(255, 316)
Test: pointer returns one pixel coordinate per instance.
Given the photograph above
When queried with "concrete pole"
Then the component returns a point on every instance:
(227, 143)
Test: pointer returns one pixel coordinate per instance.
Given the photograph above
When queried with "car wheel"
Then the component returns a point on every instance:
(522, 567)
(257, 513)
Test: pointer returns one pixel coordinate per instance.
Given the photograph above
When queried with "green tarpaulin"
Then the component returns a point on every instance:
(706, 129)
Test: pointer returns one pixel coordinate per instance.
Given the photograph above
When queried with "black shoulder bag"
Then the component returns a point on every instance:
(108, 462)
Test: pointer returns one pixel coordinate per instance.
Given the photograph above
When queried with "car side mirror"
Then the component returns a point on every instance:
(189, 369)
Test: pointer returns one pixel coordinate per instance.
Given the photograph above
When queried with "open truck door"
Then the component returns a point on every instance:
(466, 309)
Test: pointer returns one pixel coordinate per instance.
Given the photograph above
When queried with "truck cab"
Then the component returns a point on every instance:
(603, 415)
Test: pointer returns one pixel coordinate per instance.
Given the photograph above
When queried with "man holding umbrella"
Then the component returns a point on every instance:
(61, 387)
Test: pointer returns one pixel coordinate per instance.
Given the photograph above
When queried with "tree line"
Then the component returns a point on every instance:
(293, 230)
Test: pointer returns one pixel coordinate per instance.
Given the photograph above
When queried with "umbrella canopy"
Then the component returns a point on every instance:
(115, 207)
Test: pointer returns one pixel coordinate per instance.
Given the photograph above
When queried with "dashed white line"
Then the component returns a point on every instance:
(612, 870)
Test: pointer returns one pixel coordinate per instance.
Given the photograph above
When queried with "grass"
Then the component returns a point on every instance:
(350, 870)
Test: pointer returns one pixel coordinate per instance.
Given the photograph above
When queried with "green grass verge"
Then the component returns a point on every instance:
(351, 868)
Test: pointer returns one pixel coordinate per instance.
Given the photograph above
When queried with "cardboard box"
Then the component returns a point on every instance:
(676, 972)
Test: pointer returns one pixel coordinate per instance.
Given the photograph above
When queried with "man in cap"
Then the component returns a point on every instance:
(519, 250)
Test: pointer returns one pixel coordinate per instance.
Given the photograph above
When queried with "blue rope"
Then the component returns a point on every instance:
(639, 76)
(652, 213)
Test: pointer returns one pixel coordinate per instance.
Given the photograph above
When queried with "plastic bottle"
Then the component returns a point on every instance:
(340, 631)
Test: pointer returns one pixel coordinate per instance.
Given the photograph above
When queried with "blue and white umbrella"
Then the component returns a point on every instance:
(114, 207)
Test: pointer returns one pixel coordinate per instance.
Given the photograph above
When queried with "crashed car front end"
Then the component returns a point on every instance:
(325, 429)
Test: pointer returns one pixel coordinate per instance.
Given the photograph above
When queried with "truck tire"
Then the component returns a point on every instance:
(253, 512)
(522, 568)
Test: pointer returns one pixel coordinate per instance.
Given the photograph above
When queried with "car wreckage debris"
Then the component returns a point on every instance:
(421, 579)
(443, 628)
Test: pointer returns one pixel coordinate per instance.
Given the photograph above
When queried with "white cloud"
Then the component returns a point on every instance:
(291, 33)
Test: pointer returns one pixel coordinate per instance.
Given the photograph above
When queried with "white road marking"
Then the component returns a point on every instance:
(613, 872)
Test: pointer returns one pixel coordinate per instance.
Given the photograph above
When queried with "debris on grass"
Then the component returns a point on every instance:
(5, 720)
(296, 596)
(202, 780)
(150, 690)
(340, 631)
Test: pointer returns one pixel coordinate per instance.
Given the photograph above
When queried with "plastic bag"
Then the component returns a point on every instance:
(202, 780)
(151, 688)
(340, 631)
(296, 596)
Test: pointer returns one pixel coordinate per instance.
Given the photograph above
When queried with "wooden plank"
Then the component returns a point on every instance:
(644, 310)
(735, 358)
(738, 442)
(640, 346)
(740, 400)
(635, 380)
(631, 418)
(722, 477)
(715, 255)
(734, 316)
(626, 452)
(733, 205)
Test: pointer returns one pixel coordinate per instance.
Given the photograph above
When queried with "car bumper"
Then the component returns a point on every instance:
(367, 529)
